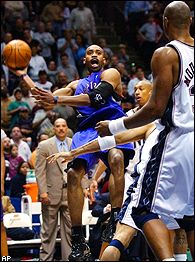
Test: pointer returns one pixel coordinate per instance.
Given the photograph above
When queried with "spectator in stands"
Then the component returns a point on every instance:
(122, 54)
(127, 102)
(16, 233)
(150, 34)
(18, 29)
(19, 180)
(123, 72)
(14, 160)
(43, 81)
(52, 185)
(6, 150)
(82, 17)
(46, 40)
(61, 80)
(40, 137)
(25, 123)
(37, 62)
(66, 14)
(134, 15)
(14, 10)
(114, 61)
(52, 71)
(6, 147)
(6, 39)
(70, 70)
(140, 75)
(5, 102)
(53, 12)
(14, 106)
(23, 148)
(27, 36)
(67, 44)
(103, 44)
(43, 120)
(79, 53)
(26, 94)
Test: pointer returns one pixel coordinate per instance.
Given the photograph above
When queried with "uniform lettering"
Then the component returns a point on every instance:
(189, 74)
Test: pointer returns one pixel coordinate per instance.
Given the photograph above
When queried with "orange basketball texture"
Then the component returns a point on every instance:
(16, 54)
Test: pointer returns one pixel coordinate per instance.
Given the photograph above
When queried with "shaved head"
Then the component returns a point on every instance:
(178, 13)
(94, 47)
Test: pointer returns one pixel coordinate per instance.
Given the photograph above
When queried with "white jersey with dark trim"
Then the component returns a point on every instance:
(180, 109)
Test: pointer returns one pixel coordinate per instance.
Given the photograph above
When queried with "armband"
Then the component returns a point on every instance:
(106, 142)
(100, 94)
(117, 126)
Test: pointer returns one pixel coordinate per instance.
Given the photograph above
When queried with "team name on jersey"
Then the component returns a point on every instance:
(189, 74)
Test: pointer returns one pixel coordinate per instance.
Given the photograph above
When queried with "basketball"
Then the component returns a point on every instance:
(16, 54)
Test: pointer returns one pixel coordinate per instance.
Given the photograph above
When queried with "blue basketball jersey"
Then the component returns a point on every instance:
(89, 116)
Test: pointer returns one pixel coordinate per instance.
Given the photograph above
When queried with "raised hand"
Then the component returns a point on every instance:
(103, 128)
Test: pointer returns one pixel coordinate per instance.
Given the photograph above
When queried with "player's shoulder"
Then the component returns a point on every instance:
(164, 56)
(165, 52)
(111, 72)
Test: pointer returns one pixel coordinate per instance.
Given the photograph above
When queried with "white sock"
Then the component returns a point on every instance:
(169, 259)
(180, 257)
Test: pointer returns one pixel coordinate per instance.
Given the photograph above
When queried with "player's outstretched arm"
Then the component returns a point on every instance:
(105, 143)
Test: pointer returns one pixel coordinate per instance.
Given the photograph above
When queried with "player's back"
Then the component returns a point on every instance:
(181, 103)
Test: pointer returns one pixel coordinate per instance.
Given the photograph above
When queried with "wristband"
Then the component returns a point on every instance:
(22, 76)
(55, 99)
(117, 126)
(106, 142)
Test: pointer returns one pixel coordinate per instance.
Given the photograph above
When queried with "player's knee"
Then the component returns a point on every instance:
(73, 178)
(116, 158)
(117, 244)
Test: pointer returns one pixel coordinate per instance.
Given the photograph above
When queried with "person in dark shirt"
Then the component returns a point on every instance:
(19, 180)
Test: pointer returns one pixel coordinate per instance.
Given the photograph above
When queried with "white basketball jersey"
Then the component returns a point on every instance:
(182, 100)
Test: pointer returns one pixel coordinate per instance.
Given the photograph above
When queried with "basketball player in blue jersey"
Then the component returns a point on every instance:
(96, 98)
(168, 182)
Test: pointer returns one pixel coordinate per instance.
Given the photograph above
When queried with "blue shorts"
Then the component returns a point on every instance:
(82, 137)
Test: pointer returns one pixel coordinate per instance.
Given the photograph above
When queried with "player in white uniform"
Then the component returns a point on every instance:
(167, 186)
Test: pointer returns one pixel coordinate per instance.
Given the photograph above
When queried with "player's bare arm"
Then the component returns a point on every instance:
(165, 74)
(110, 81)
(68, 90)
(95, 145)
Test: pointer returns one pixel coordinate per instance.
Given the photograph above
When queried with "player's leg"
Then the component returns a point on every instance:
(121, 240)
(180, 245)
(75, 204)
(190, 238)
(159, 239)
(116, 189)
(187, 223)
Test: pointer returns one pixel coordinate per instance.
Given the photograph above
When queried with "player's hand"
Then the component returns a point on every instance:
(43, 97)
(67, 156)
(103, 128)
(19, 72)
